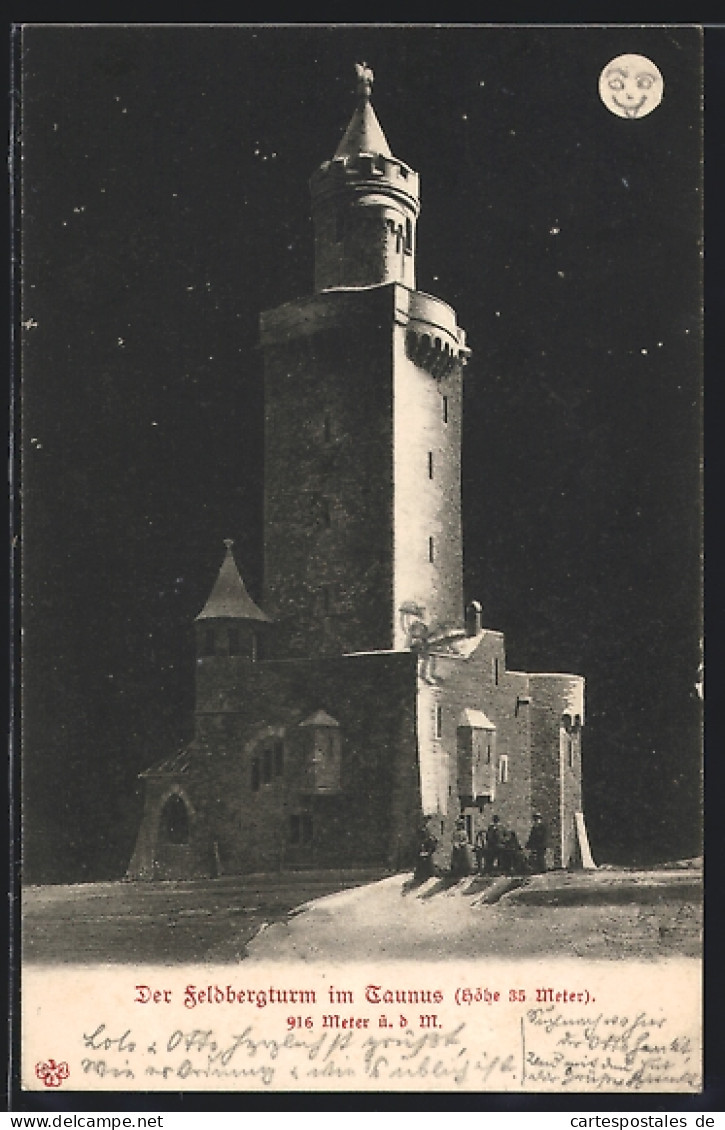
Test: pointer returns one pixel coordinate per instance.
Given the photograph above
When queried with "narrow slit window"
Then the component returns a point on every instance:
(430, 464)
(445, 409)
(503, 769)
(431, 549)
(439, 721)
(408, 234)
(495, 671)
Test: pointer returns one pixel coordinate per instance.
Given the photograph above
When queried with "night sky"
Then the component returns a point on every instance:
(165, 205)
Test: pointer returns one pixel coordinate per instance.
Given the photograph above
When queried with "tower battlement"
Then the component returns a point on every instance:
(433, 338)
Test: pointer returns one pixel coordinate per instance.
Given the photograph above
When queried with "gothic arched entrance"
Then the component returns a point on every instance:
(174, 821)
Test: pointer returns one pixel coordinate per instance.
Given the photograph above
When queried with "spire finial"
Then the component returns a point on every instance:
(365, 78)
(229, 542)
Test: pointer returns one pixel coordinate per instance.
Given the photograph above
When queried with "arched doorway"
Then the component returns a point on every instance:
(174, 823)
(176, 852)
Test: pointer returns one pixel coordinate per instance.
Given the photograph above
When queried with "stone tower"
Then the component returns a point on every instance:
(361, 698)
(363, 396)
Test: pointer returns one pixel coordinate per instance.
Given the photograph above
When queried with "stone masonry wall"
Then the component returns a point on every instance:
(472, 683)
(556, 783)
(427, 548)
(328, 474)
(371, 818)
(363, 244)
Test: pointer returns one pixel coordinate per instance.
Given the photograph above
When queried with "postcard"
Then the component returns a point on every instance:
(361, 654)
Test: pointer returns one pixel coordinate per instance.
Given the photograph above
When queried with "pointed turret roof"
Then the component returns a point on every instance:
(364, 134)
(320, 718)
(229, 598)
(476, 720)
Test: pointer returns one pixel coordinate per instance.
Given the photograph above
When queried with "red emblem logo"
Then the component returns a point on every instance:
(52, 1073)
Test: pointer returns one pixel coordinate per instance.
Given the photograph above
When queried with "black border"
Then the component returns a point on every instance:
(713, 1096)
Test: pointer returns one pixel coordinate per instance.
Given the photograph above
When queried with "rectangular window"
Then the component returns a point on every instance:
(431, 550)
(430, 464)
(503, 769)
(408, 235)
(488, 751)
(255, 775)
(445, 409)
(495, 671)
(571, 753)
(439, 721)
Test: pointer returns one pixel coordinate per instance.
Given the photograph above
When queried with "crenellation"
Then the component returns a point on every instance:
(438, 357)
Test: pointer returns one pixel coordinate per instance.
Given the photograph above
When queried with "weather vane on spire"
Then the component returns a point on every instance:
(365, 78)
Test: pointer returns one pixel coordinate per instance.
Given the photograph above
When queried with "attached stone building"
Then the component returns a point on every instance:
(364, 696)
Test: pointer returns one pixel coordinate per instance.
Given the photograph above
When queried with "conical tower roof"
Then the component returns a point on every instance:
(229, 598)
(321, 718)
(364, 134)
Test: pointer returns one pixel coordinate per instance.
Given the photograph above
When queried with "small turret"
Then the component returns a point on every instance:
(365, 204)
(474, 618)
(230, 623)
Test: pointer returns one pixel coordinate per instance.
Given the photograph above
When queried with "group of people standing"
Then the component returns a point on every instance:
(495, 851)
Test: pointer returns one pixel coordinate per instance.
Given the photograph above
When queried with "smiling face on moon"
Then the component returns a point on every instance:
(631, 86)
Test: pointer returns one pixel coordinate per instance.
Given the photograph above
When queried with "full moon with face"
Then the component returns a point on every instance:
(631, 86)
